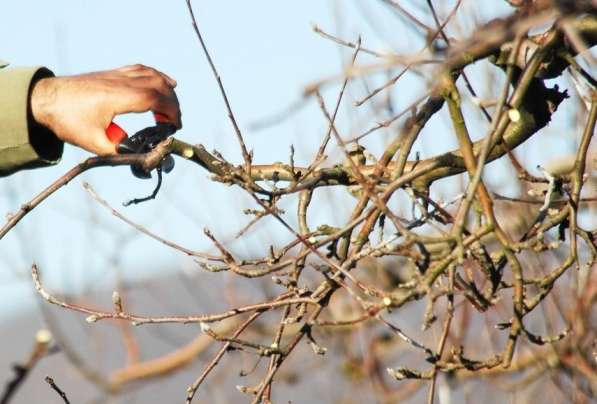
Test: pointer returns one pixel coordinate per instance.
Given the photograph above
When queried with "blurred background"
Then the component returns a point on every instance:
(267, 53)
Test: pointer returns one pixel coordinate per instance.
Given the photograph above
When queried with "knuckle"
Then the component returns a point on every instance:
(135, 66)
(153, 72)
(161, 83)
(150, 94)
(158, 85)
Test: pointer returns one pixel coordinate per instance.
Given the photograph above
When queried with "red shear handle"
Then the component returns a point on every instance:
(116, 134)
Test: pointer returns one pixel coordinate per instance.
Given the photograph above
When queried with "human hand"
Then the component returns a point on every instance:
(78, 109)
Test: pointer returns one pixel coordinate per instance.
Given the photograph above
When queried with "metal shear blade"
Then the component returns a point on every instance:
(146, 140)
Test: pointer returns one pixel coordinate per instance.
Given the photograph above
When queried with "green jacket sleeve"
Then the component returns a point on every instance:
(23, 143)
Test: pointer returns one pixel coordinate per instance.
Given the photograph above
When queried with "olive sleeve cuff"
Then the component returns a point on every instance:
(24, 144)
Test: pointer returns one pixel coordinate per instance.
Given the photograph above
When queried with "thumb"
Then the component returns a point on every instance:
(100, 144)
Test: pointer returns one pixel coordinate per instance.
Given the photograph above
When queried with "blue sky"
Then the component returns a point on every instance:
(266, 52)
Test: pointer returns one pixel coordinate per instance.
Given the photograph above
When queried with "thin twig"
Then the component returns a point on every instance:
(57, 389)
(237, 131)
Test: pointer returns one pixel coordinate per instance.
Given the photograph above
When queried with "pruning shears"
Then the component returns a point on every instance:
(144, 141)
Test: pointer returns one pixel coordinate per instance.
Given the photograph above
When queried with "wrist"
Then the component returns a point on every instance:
(43, 96)
(40, 116)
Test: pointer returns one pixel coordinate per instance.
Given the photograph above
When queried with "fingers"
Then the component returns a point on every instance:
(139, 70)
(99, 144)
(150, 98)
(164, 104)
(149, 90)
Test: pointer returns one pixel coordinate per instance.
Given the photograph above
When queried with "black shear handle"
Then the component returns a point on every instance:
(142, 142)
(116, 134)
